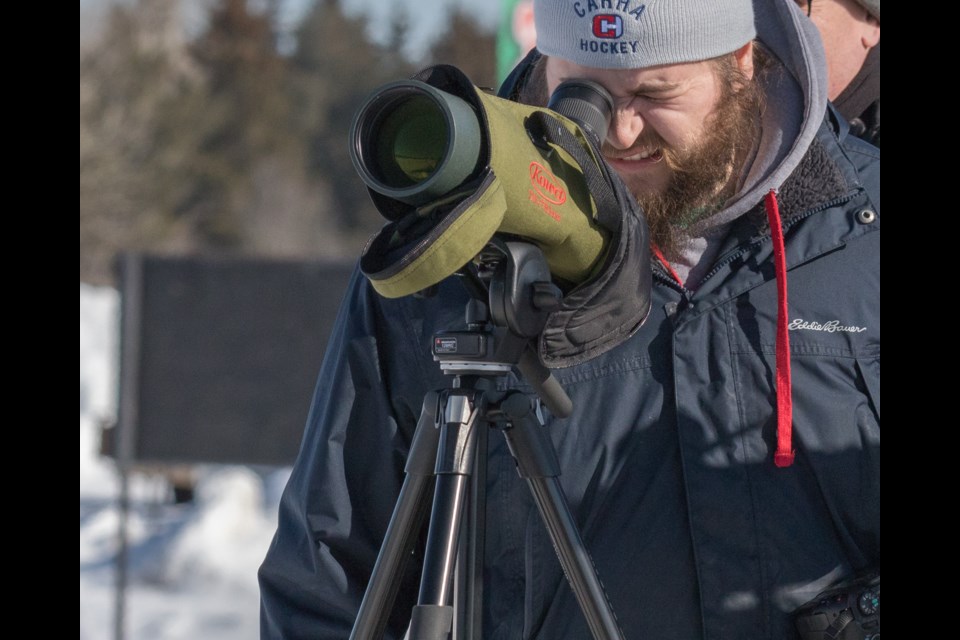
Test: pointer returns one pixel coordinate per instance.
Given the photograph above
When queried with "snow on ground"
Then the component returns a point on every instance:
(191, 567)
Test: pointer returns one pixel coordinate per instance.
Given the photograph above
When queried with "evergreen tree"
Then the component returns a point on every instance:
(128, 185)
(241, 121)
(335, 68)
(468, 47)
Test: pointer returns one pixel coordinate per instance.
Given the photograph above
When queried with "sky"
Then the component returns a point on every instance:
(192, 567)
(427, 18)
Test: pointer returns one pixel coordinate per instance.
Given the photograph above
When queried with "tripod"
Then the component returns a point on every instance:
(446, 450)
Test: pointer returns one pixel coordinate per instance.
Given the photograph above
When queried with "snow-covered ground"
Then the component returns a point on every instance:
(192, 567)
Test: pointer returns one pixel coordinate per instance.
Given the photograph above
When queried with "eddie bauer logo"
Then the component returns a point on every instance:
(546, 192)
(832, 326)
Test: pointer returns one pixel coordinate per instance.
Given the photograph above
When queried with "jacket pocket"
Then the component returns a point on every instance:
(821, 514)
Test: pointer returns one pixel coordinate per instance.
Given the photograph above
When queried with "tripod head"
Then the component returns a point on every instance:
(512, 294)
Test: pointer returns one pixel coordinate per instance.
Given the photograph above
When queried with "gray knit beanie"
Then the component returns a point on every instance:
(629, 34)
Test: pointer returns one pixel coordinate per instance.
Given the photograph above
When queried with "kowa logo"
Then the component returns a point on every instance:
(546, 184)
(607, 25)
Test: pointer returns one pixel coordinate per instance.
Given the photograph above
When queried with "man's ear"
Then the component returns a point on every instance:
(870, 35)
(744, 57)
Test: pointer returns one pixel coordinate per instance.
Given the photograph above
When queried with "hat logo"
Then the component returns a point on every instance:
(607, 25)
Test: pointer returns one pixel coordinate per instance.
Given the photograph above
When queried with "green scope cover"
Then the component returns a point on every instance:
(534, 190)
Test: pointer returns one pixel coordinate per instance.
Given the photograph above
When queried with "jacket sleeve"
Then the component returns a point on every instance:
(340, 496)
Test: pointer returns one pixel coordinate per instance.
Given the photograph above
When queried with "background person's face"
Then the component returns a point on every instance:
(848, 33)
(657, 110)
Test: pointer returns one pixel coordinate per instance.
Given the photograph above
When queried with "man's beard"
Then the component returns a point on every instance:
(702, 178)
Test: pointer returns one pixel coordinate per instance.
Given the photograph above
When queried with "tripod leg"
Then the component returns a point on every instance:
(468, 606)
(408, 514)
(538, 465)
(432, 618)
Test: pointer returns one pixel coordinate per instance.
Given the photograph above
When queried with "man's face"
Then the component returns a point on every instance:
(658, 111)
(678, 136)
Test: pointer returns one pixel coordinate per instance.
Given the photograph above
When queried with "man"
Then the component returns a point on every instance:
(850, 30)
(722, 460)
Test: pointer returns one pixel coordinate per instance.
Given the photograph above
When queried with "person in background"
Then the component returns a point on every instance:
(516, 36)
(850, 30)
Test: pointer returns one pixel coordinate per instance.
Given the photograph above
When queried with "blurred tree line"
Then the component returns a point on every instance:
(219, 143)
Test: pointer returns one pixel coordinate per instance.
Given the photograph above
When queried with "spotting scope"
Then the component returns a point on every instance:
(449, 165)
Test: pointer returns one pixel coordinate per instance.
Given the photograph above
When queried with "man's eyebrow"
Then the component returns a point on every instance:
(654, 87)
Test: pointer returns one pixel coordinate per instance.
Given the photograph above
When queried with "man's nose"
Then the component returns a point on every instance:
(625, 127)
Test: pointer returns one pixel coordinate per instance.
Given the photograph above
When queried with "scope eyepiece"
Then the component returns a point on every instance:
(585, 102)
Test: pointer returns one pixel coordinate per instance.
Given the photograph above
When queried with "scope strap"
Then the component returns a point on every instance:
(597, 177)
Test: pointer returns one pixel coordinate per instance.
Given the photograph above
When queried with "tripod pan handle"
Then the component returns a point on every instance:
(543, 382)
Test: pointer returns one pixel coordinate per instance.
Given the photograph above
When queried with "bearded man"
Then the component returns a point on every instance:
(722, 459)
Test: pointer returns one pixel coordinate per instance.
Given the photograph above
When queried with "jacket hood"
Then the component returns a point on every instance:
(798, 76)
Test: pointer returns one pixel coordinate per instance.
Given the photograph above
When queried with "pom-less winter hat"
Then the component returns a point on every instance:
(628, 34)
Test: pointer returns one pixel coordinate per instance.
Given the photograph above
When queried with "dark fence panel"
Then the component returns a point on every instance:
(219, 358)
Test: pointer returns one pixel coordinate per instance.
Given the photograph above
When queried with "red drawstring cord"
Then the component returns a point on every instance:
(784, 455)
(663, 261)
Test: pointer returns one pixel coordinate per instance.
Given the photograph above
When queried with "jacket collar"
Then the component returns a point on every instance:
(820, 208)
